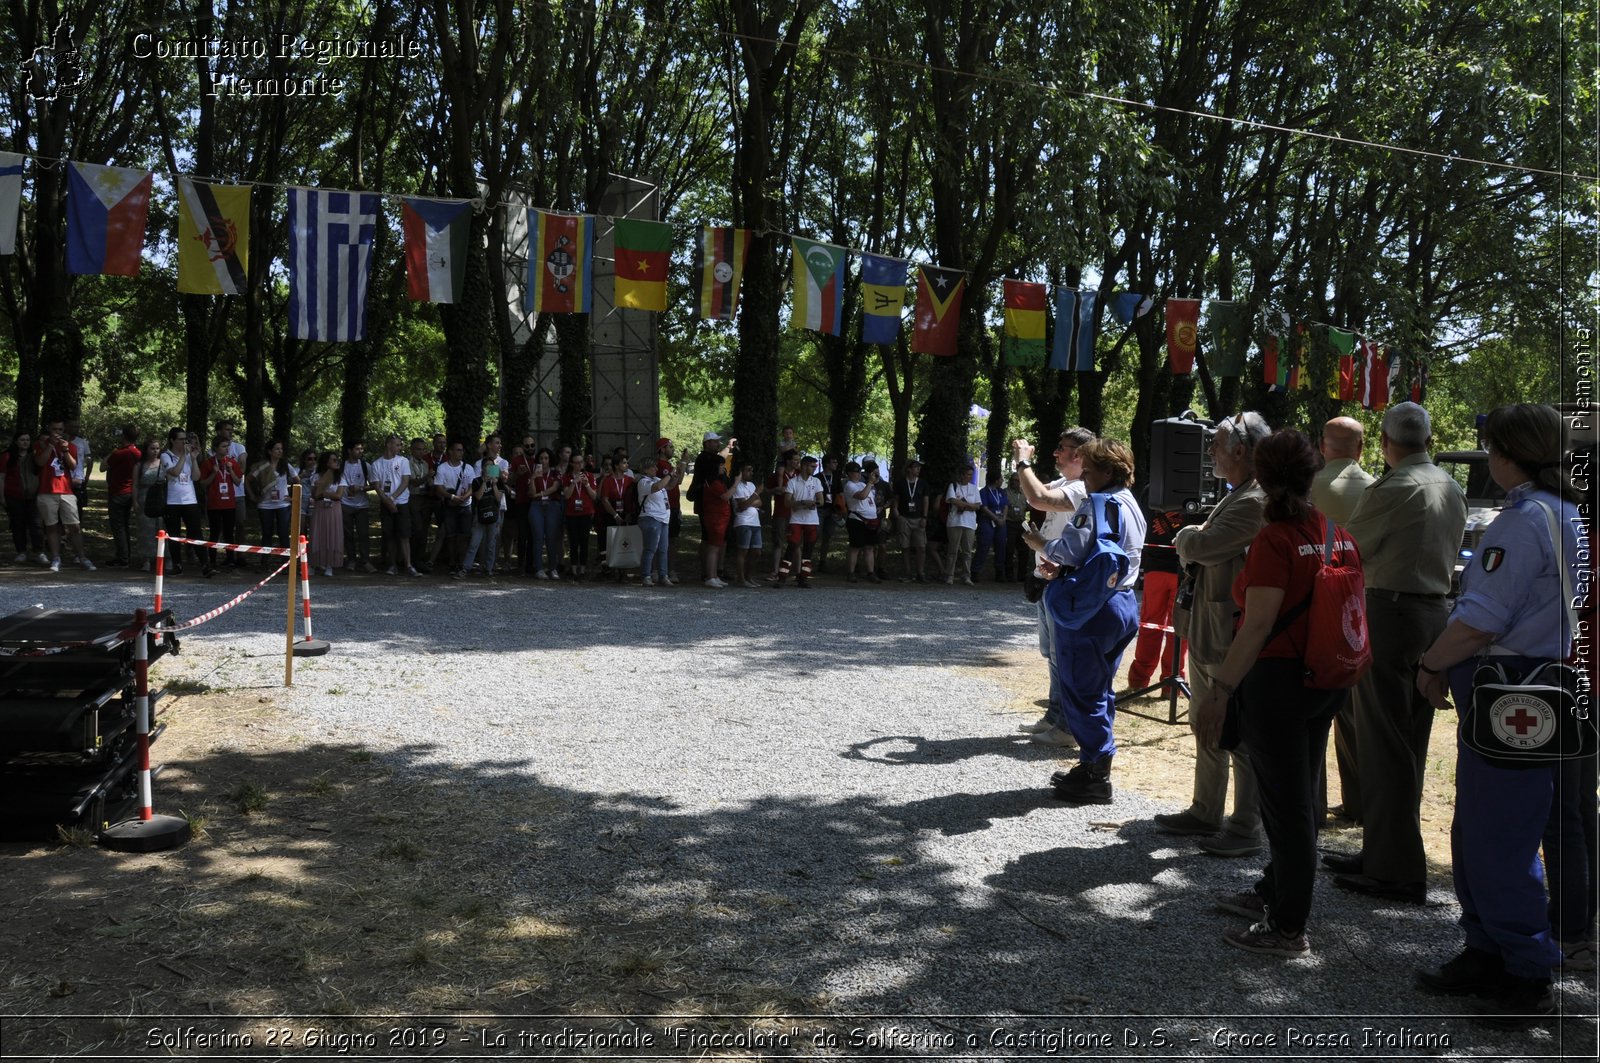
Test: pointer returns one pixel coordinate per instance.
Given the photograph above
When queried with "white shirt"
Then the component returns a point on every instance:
(180, 489)
(1056, 519)
(962, 518)
(861, 500)
(390, 472)
(653, 504)
(803, 489)
(80, 470)
(745, 518)
(450, 476)
(355, 478)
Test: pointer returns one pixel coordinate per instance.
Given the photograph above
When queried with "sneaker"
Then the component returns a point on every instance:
(21, 558)
(1227, 843)
(55, 566)
(752, 584)
(647, 582)
(1053, 736)
(1041, 724)
(1260, 937)
(459, 573)
(715, 582)
(967, 580)
(368, 566)
(328, 572)
(950, 581)
(391, 571)
(1472, 972)
(86, 563)
(44, 559)
(1184, 822)
(412, 572)
(1247, 903)
(668, 581)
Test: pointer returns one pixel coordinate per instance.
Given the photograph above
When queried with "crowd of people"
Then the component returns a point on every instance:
(1230, 587)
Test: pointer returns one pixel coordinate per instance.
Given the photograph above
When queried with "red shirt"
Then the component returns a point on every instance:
(222, 492)
(13, 473)
(54, 476)
(537, 484)
(780, 498)
(1286, 554)
(581, 502)
(618, 490)
(120, 467)
(521, 475)
(716, 504)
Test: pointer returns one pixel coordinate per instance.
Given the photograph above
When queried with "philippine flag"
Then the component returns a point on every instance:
(106, 210)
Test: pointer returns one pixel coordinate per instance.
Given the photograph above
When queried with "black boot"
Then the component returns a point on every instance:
(1517, 1003)
(1472, 973)
(1086, 784)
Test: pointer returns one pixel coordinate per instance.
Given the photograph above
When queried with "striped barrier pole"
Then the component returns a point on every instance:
(305, 586)
(161, 565)
(141, 678)
(150, 832)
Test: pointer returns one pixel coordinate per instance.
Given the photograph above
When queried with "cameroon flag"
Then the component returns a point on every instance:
(643, 251)
(936, 323)
(1024, 337)
(213, 237)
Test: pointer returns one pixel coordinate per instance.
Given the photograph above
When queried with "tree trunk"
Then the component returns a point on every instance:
(575, 411)
(755, 380)
(467, 338)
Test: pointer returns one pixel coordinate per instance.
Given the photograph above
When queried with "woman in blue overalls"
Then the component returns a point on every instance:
(1510, 606)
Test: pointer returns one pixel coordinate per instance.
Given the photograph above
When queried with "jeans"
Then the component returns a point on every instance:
(990, 535)
(578, 539)
(655, 547)
(544, 534)
(121, 510)
(274, 526)
(487, 535)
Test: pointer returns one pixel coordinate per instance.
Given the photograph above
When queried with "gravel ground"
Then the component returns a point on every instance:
(825, 785)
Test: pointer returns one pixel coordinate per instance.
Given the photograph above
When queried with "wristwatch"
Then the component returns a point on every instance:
(1024, 464)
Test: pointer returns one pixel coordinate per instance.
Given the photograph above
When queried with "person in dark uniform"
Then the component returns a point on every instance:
(1508, 609)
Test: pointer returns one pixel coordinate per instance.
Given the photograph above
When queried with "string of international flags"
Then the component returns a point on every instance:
(331, 237)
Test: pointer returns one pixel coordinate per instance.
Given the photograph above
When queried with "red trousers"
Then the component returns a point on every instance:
(1150, 658)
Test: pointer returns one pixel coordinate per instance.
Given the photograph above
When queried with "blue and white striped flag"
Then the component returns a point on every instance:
(10, 200)
(330, 259)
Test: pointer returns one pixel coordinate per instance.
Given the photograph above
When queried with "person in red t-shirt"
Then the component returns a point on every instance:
(1283, 722)
(119, 468)
(611, 503)
(55, 459)
(517, 503)
(716, 512)
(222, 478)
(578, 494)
(544, 518)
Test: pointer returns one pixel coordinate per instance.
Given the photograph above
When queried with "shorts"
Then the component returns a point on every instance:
(713, 532)
(58, 509)
(747, 536)
(861, 533)
(456, 520)
(396, 525)
(802, 533)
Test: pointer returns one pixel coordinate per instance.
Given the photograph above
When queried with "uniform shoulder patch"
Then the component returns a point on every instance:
(1493, 558)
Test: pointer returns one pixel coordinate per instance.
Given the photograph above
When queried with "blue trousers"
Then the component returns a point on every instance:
(1086, 667)
(990, 536)
(1054, 715)
(1569, 852)
(655, 548)
(1500, 820)
(544, 535)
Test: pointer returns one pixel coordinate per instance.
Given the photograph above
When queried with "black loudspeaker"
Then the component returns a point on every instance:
(1181, 476)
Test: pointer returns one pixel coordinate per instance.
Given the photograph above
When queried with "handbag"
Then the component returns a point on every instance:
(624, 546)
(155, 499)
(1538, 718)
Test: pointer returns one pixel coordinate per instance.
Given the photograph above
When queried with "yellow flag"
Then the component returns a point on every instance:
(213, 237)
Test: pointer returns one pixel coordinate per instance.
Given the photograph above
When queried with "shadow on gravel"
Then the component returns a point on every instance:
(930, 750)
(330, 881)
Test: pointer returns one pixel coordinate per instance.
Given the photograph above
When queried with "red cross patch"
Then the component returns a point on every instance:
(1493, 557)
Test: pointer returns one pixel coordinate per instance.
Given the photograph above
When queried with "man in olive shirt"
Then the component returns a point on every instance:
(1408, 526)
(1336, 491)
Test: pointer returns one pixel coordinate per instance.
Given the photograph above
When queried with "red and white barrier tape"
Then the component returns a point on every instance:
(223, 608)
(275, 551)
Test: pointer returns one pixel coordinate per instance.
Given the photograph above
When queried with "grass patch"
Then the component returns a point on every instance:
(183, 684)
(248, 797)
(410, 852)
(76, 837)
(361, 756)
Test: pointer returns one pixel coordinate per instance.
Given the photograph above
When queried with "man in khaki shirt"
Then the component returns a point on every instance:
(1408, 526)
(1336, 490)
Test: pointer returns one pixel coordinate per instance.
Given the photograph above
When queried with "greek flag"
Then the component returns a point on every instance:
(330, 259)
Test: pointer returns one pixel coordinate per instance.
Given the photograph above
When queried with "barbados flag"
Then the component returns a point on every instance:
(106, 211)
(437, 232)
(818, 287)
(560, 263)
(883, 297)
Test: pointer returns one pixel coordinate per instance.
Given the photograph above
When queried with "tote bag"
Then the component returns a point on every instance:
(624, 546)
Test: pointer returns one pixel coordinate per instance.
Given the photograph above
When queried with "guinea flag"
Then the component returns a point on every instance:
(1024, 338)
(560, 263)
(436, 232)
(643, 251)
(937, 319)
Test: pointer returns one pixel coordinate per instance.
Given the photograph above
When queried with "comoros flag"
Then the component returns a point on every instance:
(818, 287)
(437, 232)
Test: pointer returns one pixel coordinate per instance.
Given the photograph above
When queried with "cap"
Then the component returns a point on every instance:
(663, 443)
(711, 437)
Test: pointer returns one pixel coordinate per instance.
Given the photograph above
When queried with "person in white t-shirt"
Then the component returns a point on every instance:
(805, 494)
(746, 527)
(1058, 500)
(654, 517)
(180, 464)
(357, 479)
(490, 478)
(961, 524)
(392, 475)
(860, 523)
(452, 492)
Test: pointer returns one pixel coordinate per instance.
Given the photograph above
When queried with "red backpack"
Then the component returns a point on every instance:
(1337, 651)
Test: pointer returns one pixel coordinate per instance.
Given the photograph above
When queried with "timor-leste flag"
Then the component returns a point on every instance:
(1183, 316)
(883, 298)
(937, 321)
(560, 263)
(718, 265)
(643, 250)
(437, 233)
(1024, 335)
(818, 287)
(213, 237)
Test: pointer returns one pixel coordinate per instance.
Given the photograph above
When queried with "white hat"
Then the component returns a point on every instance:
(711, 437)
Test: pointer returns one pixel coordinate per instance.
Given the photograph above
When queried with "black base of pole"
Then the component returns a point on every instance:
(311, 648)
(151, 835)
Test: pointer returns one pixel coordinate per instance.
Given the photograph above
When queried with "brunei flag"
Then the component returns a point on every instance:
(643, 250)
(818, 287)
(106, 211)
(213, 237)
(560, 263)
(1024, 336)
(883, 297)
(938, 317)
(436, 231)
(719, 263)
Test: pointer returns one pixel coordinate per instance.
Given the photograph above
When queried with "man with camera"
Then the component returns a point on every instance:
(1212, 554)
(56, 458)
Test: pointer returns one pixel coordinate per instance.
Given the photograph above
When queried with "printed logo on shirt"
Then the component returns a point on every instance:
(1493, 558)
